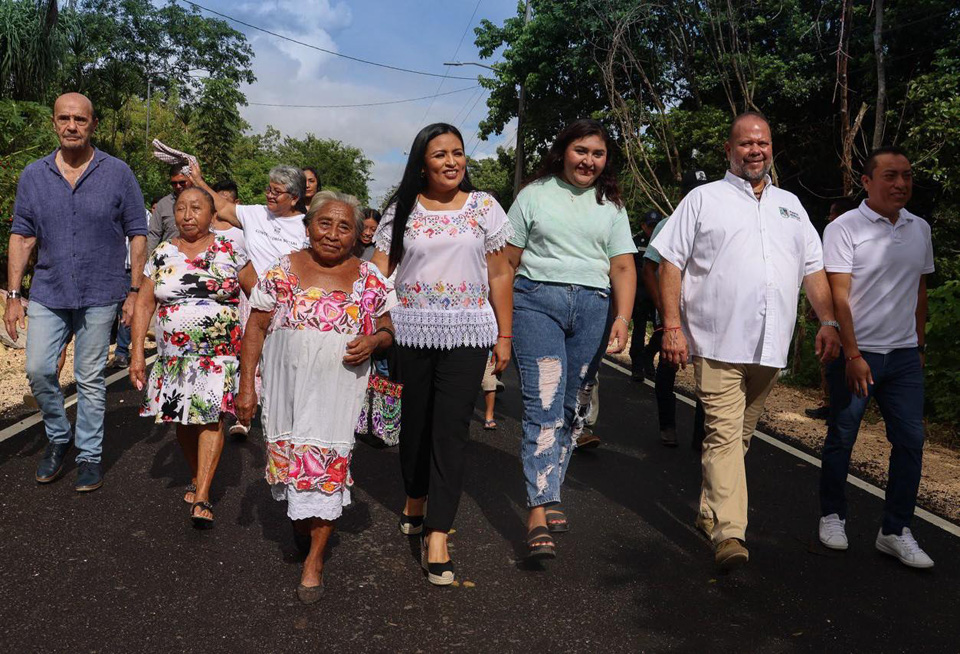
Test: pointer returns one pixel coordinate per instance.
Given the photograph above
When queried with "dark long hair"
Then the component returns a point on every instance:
(414, 181)
(606, 186)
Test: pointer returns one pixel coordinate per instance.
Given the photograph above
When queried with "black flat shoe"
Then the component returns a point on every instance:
(51, 465)
(411, 525)
(309, 594)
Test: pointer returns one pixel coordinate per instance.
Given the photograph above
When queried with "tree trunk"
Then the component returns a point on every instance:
(880, 124)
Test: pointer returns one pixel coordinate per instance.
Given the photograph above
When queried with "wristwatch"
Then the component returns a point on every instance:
(133, 289)
(830, 323)
(13, 295)
(922, 348)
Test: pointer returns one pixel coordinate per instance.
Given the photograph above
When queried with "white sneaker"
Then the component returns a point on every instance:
(832, 532)
(905, 548)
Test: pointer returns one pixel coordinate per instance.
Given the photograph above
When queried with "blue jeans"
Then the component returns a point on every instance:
(557, 331)
(898, 390)
(47, 333)
(123, 336)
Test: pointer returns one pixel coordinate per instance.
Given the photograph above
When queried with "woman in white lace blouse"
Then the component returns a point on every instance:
(454, 289)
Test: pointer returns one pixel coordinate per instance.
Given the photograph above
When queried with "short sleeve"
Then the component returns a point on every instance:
(675, 241)
(496, 226)
(652, 254)
(837, 249)
(620, 240)
(247, 212)
(813, 249)
(155, 261)
(268, 289)
(384, 234)
(928, 266)
(519, 218)
(24, 217)
(133, 215)
(379, 296)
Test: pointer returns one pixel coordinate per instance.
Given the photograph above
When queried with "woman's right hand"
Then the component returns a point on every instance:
(246, 405)
(138, 370)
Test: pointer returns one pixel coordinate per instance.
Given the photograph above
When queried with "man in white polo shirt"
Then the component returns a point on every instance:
(734, 254)
(877, 258)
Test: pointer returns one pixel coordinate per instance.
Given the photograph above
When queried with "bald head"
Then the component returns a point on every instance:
(747, 118)
(74, 121)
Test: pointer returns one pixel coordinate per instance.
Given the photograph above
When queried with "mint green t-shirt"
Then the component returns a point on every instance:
(567, 238)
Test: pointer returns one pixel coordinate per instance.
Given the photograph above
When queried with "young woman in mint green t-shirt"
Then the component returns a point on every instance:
(571, 246)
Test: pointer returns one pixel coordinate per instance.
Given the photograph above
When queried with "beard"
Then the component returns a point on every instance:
(740, 170)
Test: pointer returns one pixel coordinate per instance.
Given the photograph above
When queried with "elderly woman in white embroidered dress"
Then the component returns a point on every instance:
(318, 314)
(445, 240)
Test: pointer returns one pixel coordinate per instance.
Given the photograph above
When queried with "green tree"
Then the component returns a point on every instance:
(216, 126)
(494, 175)
(342, 167)
(30, 48)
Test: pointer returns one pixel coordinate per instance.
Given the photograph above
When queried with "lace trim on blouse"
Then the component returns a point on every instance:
(497, 241)
(444, 330)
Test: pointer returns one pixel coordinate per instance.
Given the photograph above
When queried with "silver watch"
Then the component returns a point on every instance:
(13, 295)
(830, 323)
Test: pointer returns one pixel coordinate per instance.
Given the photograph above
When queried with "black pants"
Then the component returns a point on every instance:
(643, 312)
(667, 403)
(440, 388)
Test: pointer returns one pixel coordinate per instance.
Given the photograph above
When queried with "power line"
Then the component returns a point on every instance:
(316, 47)
(456, 52)
(366, 104)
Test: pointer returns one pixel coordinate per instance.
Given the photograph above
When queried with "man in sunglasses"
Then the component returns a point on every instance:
(162, 225)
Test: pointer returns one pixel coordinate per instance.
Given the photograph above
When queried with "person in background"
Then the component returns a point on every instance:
(644, 310)
(311, 186)
(78, 280)
(666, 373)
(121, 354)
(571, 245)
(445, 241)
(163, 224)
(365, 246)
(878, 257)
(227, 189)
(838, 207)
(734, 254)
(193, 278)
(490, 384)
(318, 315)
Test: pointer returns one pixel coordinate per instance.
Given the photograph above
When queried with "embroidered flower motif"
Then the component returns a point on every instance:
(307, 467)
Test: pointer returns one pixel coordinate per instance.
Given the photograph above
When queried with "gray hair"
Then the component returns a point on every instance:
(290, 178)
(323, 198)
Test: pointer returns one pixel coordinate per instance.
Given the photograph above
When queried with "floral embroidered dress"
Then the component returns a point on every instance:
(311, 399)
(196, 373)
(441, 282)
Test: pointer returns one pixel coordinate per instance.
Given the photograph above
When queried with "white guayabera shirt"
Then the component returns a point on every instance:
(743, 262)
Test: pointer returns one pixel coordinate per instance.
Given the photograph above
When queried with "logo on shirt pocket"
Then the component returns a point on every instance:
(786, 213)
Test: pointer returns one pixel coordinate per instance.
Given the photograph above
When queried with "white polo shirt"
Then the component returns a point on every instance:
(886, 261)
(743, 261)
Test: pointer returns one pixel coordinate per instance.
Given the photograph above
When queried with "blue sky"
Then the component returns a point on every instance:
(416, 34)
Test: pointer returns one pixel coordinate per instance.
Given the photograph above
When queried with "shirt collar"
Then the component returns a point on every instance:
(745, 185)
(903, 216)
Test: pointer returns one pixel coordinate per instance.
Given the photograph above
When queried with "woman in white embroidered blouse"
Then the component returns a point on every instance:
(446, 242)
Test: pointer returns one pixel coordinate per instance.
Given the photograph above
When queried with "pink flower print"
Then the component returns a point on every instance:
(303, 484)
(311, 466)
(368, 301)
(295, 466)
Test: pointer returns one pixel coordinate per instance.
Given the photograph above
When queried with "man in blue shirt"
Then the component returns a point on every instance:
(78, 205)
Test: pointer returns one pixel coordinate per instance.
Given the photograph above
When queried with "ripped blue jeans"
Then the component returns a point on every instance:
(557, 331)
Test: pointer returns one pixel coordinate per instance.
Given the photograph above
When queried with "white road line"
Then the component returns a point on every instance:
(36, 418)
(923, 514)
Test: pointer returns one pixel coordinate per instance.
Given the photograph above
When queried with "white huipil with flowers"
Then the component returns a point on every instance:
(442, 281)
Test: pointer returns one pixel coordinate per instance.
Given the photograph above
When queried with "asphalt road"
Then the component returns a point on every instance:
(121, 570)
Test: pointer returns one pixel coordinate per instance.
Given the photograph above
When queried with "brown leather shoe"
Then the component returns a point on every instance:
(587, 440)
(704, 525)
(731, 554)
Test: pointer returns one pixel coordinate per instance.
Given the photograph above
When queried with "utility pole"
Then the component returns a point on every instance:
(518, 171)
(148, 110)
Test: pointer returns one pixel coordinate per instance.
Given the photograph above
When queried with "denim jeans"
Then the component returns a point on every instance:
(47, 333)
(557, 331)
(123, 336)
(898, 390)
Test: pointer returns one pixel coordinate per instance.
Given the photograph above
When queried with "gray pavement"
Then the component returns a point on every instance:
(121, 569)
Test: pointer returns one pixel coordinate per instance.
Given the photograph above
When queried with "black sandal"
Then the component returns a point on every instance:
(410, 525)
(201, 522)
(559, 523)
(540, 544)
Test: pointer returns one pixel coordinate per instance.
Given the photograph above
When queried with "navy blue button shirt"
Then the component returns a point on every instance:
(81, 231)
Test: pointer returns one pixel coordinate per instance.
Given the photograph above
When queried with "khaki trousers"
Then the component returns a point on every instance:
(732, 395)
